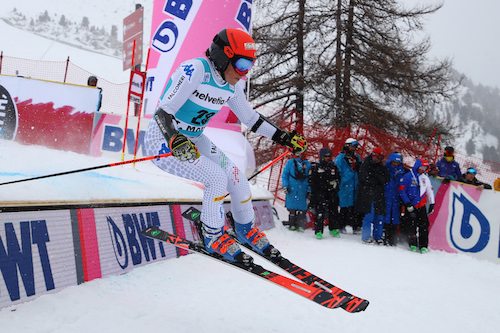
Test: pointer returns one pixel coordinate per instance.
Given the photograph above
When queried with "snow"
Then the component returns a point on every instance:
(140, 182)
(436, 292)
(408, 292)
(15, 42)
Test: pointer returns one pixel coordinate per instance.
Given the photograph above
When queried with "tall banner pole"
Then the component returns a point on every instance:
(128, 107)
(143, 79)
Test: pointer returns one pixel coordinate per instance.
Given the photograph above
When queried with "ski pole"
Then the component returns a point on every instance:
(270, 163)
(267, 166)
(91, 168)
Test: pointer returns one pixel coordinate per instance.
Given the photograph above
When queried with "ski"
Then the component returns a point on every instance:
(354, 303)
(319, 296)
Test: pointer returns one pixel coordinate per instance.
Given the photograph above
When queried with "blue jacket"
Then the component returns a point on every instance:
(392, 198)
(449, 169)
(296, 199)
(409, 187)
(349, 182)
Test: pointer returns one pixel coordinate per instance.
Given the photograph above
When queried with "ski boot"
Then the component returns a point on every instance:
(335, 233)
(319, 235)
(413, 248)
(424, 250)
(250, 235)
(217, 241)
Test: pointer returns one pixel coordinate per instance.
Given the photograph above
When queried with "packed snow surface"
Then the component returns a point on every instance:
(408, 292)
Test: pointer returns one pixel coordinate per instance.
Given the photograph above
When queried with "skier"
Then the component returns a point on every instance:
(324, 179)
(197, 91)
(392, 199)
(294, 179)
(373, 175)
(348, 162)
(449, 169)
(416, 191)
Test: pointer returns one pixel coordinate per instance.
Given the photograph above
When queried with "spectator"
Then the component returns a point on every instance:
(496, 184)
(348, 163)
(373, 175)
(324, 178)
(470, 178)
(416, 190)
(92, 82)
(449, 169)
(433, 170)
(396, 170)
(294, 179)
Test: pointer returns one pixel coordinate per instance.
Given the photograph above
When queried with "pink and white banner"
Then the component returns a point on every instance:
(465, 221)
(184, 29)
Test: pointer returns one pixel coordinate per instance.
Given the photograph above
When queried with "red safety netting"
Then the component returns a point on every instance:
(369, 137)
(114, 96)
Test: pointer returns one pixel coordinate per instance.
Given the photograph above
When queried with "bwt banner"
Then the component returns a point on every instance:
(466, 220)
(46, 251)
(50, 114)
(184, 29)
(108, 136)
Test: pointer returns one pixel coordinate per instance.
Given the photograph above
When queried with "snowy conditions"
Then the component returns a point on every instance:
(408, 292)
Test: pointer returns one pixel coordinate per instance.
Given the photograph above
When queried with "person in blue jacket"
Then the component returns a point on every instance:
(416, 191)
(394, 164)
(449, 169)
(348, 163)
(294, 179)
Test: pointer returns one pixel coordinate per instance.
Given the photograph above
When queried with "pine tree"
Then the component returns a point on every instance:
(359, 63)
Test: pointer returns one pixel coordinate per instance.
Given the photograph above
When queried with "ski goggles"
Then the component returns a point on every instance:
(433, 167)
(354, 143)
(242, 65)
(472, 170)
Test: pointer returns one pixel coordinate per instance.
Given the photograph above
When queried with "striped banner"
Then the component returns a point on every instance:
(182, 30)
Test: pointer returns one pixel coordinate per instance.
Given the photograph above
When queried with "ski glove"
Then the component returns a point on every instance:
(291, 139)
(410, 208)
(446, 180)
(286, 190)
(431, 209)
(183, 148)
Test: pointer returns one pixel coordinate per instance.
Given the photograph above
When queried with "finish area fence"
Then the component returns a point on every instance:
(369, 137)
(114, 96)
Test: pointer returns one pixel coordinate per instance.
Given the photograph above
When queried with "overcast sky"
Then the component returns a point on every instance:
(467, 31)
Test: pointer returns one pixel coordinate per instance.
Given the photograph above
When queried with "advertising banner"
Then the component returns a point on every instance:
(108, 135)
(37, 254)
(466, 220)
(182, 30)
(50, 114)
(120, 246)
(47, 251)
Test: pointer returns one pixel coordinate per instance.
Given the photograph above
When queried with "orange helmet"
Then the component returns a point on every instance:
(235, 46)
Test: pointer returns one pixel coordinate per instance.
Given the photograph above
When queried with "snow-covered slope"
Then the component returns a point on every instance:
(51, 43)
(412, 293)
